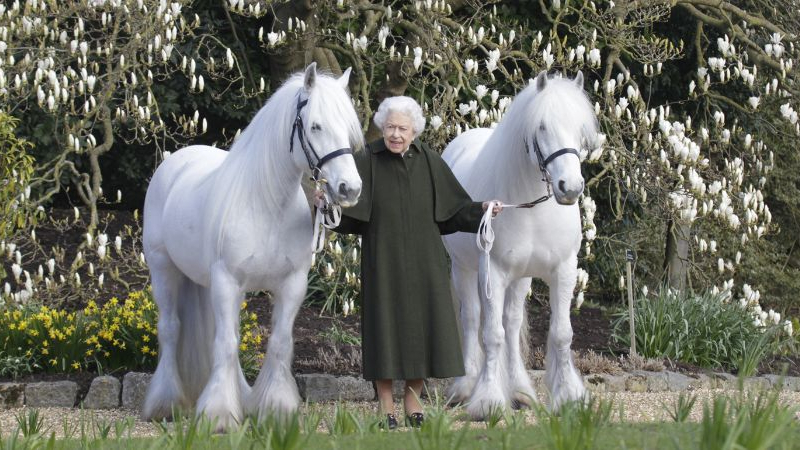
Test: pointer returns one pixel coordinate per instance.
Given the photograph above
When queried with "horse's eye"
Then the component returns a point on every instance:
(315, 127)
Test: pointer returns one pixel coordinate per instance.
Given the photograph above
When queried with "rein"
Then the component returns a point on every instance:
(484, 239)
(330, 214)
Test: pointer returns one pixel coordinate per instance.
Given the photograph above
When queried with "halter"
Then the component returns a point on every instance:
(308, 149)
(543, 162)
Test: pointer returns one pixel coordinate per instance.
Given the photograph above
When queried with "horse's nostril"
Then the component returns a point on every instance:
(343, 189)
(562, 186)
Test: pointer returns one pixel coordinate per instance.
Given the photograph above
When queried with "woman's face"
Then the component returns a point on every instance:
(398, 132)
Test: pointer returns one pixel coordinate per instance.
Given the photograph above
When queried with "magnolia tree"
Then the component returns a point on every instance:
(92, 72)
(88, 69)
(679, 112)
(684, 92)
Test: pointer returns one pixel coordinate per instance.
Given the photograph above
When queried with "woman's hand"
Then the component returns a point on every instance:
(318, 197)
(498, 206)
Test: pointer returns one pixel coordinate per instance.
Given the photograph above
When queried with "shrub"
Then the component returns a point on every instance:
(696, 329)
(16, 168)
(114, 336)
(334, 282)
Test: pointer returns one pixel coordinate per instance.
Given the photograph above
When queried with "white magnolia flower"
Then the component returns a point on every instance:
(594, 57)
(17, 271)
(470, 66)
(417, 57)
(579, 300)
(481, 91)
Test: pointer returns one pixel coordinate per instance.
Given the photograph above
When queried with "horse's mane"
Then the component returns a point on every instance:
(259, 171)
(503, 158)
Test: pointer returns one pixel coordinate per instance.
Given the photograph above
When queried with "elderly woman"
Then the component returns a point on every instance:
(409, 198)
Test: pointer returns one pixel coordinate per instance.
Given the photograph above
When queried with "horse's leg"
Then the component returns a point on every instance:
(165, 390)
(490, 389)
(519, 382)
(464, 282)
(220, 401)
(275, 391)
(561, 376)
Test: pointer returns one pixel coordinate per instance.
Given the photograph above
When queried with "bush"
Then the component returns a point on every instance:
(16, 167)
(334, 282)
(113, 337)
(698, 329)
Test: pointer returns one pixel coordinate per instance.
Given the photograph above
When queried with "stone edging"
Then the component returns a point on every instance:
(106, 392)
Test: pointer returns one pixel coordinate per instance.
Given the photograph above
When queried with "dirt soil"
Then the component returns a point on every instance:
(323, 343)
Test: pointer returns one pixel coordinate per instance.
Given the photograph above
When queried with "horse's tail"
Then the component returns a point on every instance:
(195, 339)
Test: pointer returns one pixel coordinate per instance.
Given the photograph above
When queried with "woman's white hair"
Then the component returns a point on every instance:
(403, 105)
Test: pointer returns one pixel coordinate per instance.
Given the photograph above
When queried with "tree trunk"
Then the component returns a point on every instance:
(676, 257)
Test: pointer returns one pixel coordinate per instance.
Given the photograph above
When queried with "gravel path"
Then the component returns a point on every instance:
(631, 407)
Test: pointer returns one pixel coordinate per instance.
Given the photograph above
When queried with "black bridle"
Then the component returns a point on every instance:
(308, 149)
(543, 162)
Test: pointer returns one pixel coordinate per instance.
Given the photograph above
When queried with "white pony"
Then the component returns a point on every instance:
(532, 154)
(219, 224)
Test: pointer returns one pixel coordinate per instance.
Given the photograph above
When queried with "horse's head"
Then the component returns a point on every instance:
(562, 120)
(326, 129)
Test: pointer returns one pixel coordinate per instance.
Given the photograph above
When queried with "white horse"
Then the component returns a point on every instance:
(532, 154)
(219, 224)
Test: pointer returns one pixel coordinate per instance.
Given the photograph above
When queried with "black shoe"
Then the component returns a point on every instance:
(415, 420)
(390, 423)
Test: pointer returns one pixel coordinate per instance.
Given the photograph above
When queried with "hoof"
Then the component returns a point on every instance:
(458, 393)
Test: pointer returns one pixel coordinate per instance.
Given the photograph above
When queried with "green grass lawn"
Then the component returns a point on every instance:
(758, 421)
(613, 436)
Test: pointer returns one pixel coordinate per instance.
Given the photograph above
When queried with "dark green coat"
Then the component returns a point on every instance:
(408, 322)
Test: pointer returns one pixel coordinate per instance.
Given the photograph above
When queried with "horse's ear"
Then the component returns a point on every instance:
(345, 78)
(541, 80)
(579, 79)
(310, 76)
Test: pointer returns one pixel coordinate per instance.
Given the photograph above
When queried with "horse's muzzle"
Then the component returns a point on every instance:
(567, 194)
(345, 194)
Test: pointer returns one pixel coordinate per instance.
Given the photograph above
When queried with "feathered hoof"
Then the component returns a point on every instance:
(222, 407)
(459, 390)
(565, 396)
(522, 400)
(223, 422)
(277, 400)
(164, 398)
(158, 412)
(486, 402)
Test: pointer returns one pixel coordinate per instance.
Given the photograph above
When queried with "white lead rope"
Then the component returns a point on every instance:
(323, 221)
(485, 239)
